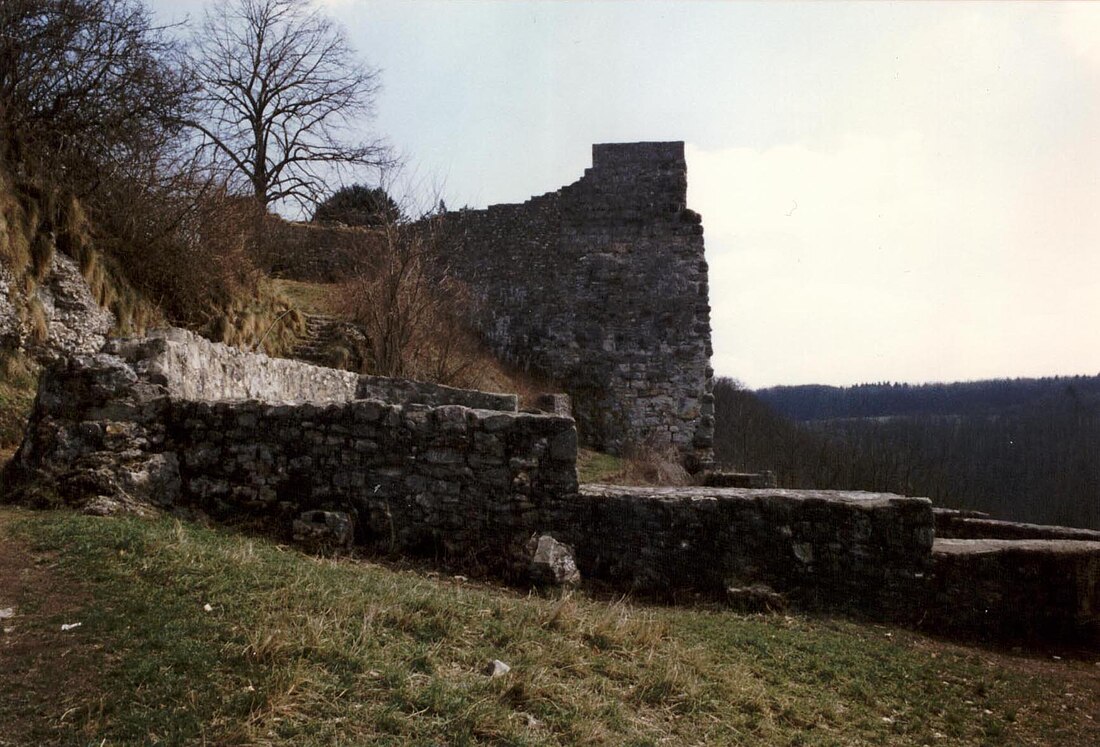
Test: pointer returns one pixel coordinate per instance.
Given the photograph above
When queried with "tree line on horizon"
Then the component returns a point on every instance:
(1023, 450)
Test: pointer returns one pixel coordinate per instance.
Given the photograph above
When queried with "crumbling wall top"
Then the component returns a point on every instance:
(623, 156)
(190, 367)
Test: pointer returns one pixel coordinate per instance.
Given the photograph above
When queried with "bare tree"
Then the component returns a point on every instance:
(281, 87)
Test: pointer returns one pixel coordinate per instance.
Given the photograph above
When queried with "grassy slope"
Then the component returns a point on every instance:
(299, 650)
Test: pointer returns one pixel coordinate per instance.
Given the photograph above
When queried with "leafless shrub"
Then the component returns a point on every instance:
(648, 464)
(413, 310)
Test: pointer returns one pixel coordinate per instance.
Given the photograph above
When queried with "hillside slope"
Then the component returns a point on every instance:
(1023, 449)
(187, 634)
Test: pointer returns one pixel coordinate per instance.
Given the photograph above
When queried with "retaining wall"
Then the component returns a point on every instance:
(1017, 589)
(177, 422)
(180, 423)
(831, 549)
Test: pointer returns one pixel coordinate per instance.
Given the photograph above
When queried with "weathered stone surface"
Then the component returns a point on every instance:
(75, 323)
(163, 424)
(555, 404)
(1017, 588)
(840, 550)
(552, 562)
(957, 526)
(719, 479)
(324, 530)
(755, 598)
(191, 367)
(602, 286)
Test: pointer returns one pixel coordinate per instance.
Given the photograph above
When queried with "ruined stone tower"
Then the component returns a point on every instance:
(602, 286)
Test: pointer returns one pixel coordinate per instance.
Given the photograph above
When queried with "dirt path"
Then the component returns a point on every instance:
(45, 674)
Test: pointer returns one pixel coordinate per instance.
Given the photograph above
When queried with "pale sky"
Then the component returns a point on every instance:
(891, 191)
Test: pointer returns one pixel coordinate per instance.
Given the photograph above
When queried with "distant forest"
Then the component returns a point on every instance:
(1021, 449)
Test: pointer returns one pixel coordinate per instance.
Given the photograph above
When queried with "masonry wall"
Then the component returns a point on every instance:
(1017, 589)
(447, 481)
(123, 430)
(602, 286)
(827, 549)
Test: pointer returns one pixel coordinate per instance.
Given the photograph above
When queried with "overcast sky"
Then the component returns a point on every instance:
(902, 192)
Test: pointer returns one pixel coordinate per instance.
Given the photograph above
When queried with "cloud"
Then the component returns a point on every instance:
(882, 259)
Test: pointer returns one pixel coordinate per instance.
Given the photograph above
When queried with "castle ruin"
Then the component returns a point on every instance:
(602, 287)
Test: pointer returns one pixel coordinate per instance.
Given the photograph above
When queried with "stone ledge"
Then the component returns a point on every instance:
(977, 528)
(1017, 589)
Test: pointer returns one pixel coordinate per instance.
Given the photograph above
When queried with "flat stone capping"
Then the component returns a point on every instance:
(722, 479)
(1003, 546)
(965, 527)
(191, 367)
(1017, 589)
(848, 550)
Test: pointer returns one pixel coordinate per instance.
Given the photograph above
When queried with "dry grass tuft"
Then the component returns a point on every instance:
(640, 466)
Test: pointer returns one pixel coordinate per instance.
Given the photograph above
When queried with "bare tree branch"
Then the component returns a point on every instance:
(280, 92)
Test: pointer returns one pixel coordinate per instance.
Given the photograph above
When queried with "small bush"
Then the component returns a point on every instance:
(413, 311)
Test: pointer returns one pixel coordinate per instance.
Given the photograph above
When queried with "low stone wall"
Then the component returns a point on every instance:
(181, 424)
(1017, 589)
(110, 432)
(838, 550)
(178, 422)
(446, 481)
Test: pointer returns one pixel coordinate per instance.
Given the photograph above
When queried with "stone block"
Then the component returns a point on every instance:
(324, 530)
(551, 562)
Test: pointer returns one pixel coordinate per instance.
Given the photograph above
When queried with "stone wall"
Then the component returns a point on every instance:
(448, 481)
(602, 286)
(1017, 589)
(826, 549)
(182, 424)
(139, 428)
(959, 525)
(177, 422)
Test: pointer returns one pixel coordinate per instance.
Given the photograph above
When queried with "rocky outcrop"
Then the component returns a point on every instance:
(69, 316)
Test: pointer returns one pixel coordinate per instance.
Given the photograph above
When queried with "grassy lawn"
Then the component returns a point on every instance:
(193, 635)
